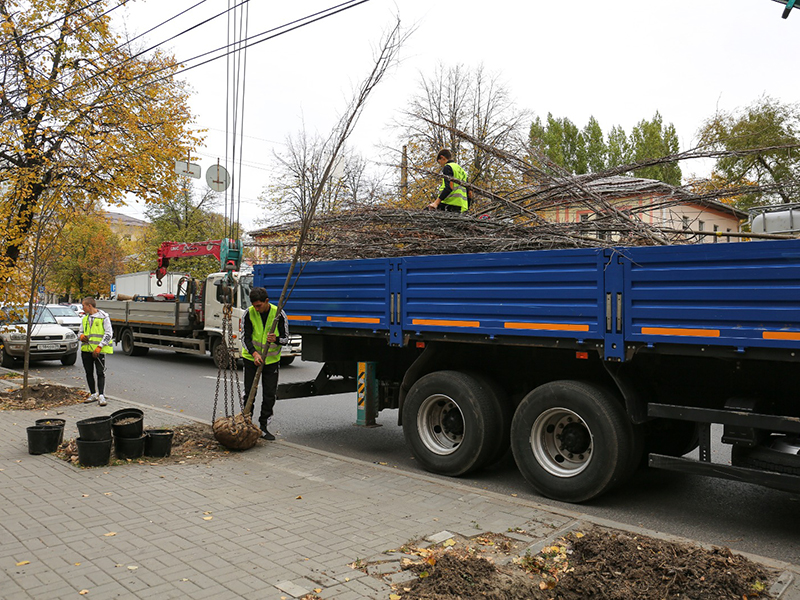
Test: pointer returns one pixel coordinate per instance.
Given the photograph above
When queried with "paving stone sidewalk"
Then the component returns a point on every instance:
(284, 521)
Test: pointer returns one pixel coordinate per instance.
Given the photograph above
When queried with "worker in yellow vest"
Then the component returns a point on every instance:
(261, 346)
(97, 337)
(453, 197)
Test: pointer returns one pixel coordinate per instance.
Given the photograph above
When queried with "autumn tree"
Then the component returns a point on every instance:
(89, 256)
(82, 115)
(187, 216)
(470, 100)
(766, 123)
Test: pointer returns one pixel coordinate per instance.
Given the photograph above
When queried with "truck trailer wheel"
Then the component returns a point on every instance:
(128, 347)
(572, 441)
(780, 454)
(219, 352)
(452, 423)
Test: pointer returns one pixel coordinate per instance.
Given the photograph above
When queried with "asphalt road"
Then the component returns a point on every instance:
(741, 516)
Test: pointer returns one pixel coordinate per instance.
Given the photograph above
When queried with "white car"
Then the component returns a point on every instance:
(49, 340)
(66, 317)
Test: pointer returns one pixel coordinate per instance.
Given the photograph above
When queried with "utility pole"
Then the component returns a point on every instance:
(404, 174)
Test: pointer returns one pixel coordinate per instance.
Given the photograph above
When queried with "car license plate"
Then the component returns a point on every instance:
(48, 346)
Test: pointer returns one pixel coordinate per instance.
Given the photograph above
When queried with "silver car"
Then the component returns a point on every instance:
(66, 317)
(49, 340)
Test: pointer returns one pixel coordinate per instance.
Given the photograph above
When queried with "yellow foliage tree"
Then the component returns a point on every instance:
(82, 116)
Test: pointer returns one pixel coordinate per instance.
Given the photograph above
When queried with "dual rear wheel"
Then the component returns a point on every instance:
(571, 440)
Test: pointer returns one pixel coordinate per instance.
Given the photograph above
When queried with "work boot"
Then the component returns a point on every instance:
(101, 400)
(267, 435)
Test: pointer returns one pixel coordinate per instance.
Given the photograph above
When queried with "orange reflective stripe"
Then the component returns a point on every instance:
(548, 326)
(444, 323)
(680, 332)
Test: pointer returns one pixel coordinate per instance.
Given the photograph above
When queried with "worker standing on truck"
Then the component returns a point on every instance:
(452, 196)
(96, 335)
(263, 347)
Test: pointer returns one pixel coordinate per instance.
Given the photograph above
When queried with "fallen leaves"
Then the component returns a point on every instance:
(22, 563)
(110, 534)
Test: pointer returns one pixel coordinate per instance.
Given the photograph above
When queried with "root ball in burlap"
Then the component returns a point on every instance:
(236, 433)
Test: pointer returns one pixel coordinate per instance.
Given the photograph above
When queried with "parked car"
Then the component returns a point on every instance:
(49, 340)
(78, 308)
(291, 350)
(66, 317)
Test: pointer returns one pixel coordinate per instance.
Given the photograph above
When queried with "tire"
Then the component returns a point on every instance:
(6, 360)
(286, 360)
(598, 452)
(505, 412)
(128, 347)
(219, 352)
(69, 359)
(126, 341)
(451, 422)
(765, 457)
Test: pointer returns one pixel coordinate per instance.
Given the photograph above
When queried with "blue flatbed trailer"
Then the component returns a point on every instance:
(583, 361)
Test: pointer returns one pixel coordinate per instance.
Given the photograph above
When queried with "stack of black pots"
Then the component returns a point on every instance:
(94, 441)
(129, 436)
(45, 436)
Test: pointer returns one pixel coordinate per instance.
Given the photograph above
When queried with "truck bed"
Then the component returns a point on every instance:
(732, 297)
(173, 315)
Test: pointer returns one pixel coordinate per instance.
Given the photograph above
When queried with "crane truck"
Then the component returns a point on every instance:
(190, 320)
(587, 363)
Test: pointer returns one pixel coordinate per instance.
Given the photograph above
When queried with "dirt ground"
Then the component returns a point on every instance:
(40, 396)
(598, 563)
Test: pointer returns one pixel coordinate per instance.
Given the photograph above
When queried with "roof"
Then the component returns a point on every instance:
(620, 186)
(116, 218)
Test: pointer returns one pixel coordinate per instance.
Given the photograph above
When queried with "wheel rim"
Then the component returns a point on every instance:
(127, 342)
(561, 442)
(440, 424)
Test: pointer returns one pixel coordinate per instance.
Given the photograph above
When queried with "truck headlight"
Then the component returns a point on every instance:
(70, 335)
(18, 336)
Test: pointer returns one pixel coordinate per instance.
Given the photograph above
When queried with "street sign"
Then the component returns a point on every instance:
(187, 169)
(218, 178)
(113, 288)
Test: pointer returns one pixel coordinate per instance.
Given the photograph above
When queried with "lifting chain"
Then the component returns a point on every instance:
(227, 373)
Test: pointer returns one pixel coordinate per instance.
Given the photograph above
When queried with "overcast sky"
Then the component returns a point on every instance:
(619, 60)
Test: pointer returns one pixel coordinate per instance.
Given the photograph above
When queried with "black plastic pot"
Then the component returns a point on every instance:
(94, 453)
(158, 442)
(125, 447)
(55, 423)
(95, 429)
(43, 439)
(127, 423)
(128, 411)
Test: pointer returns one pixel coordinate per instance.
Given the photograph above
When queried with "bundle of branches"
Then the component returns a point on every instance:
(524, 218)
(375, 232)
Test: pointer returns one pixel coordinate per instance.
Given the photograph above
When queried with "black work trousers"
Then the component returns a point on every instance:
(269, 387)
(92, 363)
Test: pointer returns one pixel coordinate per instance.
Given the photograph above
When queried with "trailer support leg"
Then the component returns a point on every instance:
(367, 390)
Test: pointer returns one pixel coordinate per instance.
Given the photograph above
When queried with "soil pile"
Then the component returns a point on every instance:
(601, 563)
(41, 396)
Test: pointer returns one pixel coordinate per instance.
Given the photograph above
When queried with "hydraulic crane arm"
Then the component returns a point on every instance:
(228, 252)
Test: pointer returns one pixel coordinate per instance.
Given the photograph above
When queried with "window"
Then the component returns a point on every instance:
(716, 229)
(701, 226)
(686, 222)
